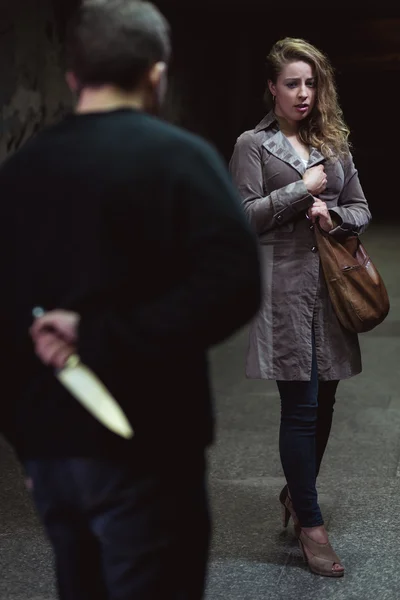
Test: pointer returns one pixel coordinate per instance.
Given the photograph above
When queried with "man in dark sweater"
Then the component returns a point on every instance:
(129, 233)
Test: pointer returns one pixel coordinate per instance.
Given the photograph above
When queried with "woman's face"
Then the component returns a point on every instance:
(294, 91)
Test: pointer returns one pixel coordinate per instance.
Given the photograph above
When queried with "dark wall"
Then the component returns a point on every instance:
(217, 73)
(218, 79)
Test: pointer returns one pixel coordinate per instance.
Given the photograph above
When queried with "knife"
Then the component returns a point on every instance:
(87, 388)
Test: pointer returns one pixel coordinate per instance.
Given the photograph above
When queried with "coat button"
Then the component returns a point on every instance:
(314, 249)
(311, 227)
(279, 218)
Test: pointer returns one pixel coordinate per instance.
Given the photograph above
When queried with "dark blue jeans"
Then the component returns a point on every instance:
(120, 535)
(306, 420)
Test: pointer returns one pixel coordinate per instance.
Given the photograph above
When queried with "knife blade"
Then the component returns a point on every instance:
(84, 385)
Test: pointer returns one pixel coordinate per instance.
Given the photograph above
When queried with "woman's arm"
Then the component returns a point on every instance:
(264, 212)
(352, 214)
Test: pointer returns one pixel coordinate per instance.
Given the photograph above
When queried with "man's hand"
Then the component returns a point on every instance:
(54, 336)
(319, 210)
(315, 179)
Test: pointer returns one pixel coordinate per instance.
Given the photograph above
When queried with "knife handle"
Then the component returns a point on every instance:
(38, 312)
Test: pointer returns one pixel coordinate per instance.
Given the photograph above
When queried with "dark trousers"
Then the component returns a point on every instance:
(306, 420)
(120, 535)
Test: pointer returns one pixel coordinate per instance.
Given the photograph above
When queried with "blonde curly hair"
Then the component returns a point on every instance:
(325, 128)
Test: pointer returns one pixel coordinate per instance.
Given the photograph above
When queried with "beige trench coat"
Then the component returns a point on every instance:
(268, 173)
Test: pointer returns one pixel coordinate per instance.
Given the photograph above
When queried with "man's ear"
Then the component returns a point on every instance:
(72, 82)
(157, 73)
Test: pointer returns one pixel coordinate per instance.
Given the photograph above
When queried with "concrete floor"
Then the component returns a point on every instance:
(252, 557)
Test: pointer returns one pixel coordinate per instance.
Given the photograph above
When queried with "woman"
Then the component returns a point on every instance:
(294, 169)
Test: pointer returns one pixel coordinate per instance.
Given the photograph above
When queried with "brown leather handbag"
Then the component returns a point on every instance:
(356, 289)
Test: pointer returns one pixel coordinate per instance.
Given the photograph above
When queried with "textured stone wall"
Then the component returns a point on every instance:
(33, 92)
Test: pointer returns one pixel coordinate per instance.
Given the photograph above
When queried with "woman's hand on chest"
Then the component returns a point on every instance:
(315, 179)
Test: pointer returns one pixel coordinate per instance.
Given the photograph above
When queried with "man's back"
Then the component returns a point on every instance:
(129, 234)
(135, 225)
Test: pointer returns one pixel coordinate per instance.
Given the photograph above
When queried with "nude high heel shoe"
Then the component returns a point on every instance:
(288, 510)
(323, 558)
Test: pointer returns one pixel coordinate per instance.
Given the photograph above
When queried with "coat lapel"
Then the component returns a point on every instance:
(279, 146)
(315, 158)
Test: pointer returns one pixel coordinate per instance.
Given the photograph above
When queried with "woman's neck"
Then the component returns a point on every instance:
(288, 128)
